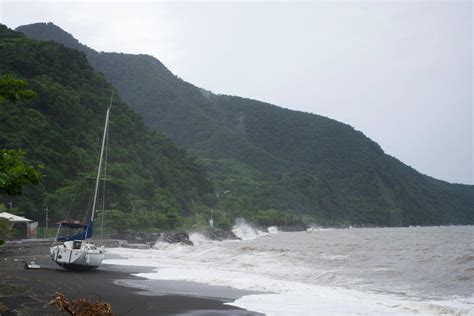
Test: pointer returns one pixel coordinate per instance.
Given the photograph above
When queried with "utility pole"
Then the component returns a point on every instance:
(218, 203)
(193, 212)
(46, 224)
(11, 206)
(211, 221)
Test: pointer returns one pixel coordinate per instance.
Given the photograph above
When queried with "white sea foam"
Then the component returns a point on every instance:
(246, 231)
(300, 273)
(327, 301)
(199, 239)
(272, 229)
(285, 297)
(317, 228)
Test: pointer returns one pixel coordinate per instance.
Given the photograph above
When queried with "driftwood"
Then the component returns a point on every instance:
(81, 307)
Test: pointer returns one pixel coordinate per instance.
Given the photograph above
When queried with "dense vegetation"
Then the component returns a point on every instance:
(266, 157)
(149, 179)
(15, 170)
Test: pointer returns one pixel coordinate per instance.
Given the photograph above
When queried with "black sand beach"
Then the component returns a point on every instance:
(29, 291)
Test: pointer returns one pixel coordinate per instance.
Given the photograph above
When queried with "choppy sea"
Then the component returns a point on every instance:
(358, 271)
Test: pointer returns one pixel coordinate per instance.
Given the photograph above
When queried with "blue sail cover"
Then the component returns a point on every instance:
(86, 233)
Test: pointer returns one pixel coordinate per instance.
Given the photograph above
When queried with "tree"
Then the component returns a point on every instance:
(6, 227)
(14, 90)
(15, 171)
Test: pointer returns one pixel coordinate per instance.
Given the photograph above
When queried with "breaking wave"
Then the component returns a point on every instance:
(343, 271)
(246, 231)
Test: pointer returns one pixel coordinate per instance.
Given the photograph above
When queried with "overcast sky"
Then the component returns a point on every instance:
(400, 72)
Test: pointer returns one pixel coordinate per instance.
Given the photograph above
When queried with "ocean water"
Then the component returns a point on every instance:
(360, 271)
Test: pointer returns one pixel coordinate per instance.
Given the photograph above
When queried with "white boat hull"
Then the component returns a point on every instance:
(77, 255)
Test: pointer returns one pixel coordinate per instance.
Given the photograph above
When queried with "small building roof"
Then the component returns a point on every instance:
(14, 218)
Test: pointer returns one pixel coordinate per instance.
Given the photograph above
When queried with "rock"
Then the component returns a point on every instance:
(218, 234)
(175, 238)
(135, 237)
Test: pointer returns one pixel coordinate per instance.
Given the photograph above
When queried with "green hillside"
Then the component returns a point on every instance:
(267, 157)
(62, 127)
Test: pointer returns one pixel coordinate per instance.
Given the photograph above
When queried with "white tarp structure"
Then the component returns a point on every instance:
(14, 218)
(26, 228)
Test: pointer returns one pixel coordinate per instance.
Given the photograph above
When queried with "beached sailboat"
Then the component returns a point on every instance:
(77, 252)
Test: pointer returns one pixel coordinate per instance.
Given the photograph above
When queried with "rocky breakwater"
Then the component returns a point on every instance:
(175, 238)
(146, 240)
(217, 234)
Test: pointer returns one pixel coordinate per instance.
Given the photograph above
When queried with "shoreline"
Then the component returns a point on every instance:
(29, 291)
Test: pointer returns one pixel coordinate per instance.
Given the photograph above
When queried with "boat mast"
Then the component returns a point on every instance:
(101, 157)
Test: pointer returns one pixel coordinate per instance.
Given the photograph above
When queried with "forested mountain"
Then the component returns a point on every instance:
(62, 126)
(267, 157)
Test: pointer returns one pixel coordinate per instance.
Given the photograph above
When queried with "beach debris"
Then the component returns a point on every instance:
(31, 265)
(3, 308)
(81, 307)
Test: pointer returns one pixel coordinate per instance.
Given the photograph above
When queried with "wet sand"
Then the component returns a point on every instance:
(29, 291)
